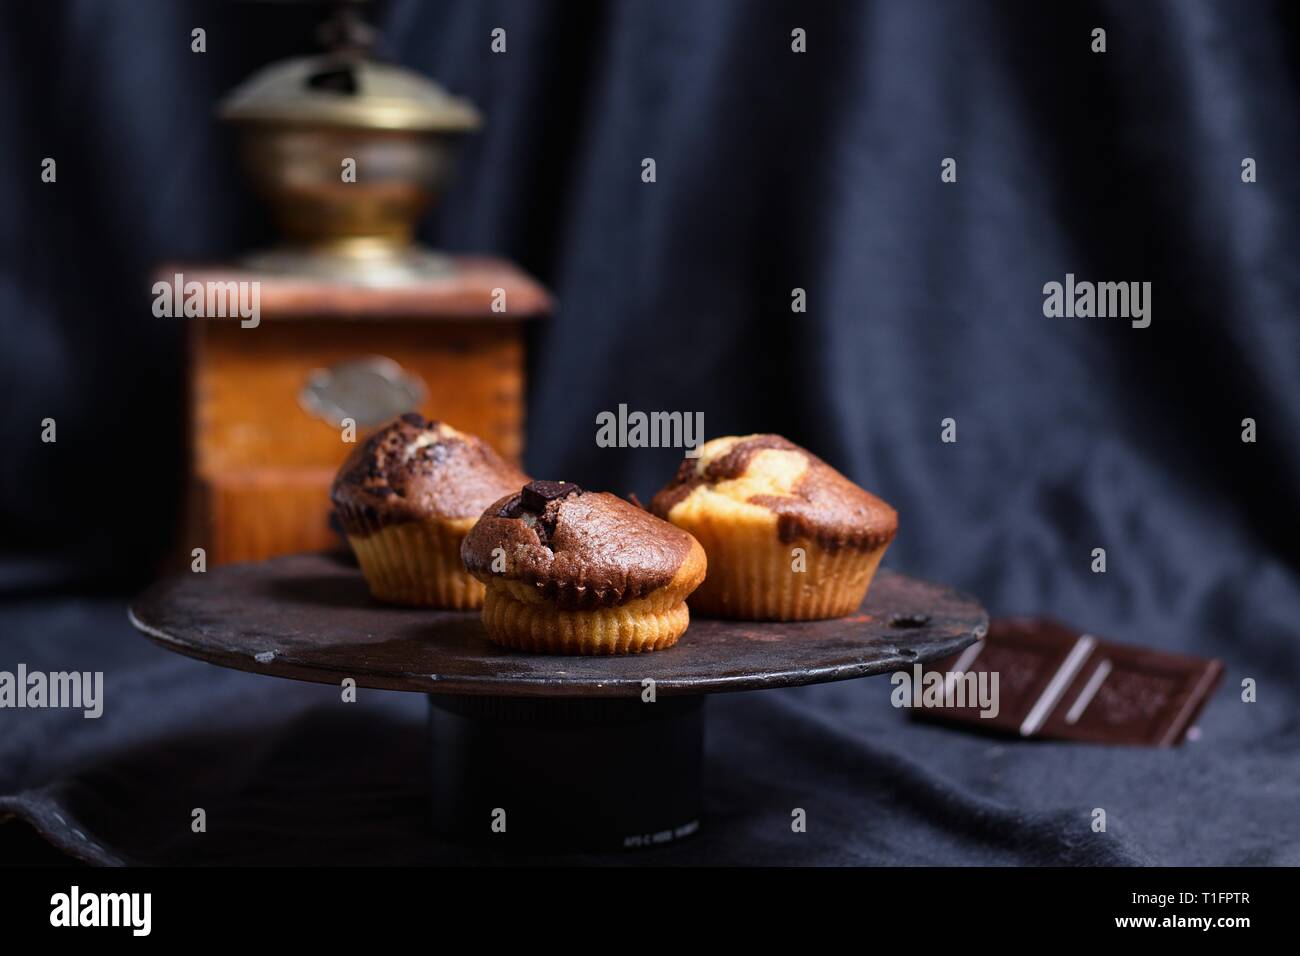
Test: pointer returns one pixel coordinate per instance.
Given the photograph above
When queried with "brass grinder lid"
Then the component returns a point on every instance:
(345, 90)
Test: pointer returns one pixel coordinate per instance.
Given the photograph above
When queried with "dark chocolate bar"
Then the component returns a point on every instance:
(1055, 683)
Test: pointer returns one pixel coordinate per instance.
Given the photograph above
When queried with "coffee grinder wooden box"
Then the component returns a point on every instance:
(269, 404)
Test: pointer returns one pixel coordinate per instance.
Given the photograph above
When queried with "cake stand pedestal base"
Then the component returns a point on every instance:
(566, 772)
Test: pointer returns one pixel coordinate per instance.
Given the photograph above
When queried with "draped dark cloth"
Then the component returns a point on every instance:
(774, 171)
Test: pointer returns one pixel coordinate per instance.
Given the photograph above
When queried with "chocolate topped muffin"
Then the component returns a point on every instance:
(406, 496)
(788, 537)
(581, 572)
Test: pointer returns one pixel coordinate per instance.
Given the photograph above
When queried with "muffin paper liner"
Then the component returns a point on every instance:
(415, 563)
(752, 577)
(632, 628)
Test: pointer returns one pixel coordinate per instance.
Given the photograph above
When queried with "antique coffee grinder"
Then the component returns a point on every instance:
(358, 323)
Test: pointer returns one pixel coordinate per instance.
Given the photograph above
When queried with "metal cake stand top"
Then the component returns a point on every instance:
(310, 617)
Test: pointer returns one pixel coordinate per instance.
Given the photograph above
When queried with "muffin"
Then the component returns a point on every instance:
(751, 501)
(569, 571)
(406, 497)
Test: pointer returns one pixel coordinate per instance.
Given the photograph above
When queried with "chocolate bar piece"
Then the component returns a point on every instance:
(536, 494)
(1058, 684)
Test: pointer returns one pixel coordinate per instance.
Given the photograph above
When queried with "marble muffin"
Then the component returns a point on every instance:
(569, 571)
(787, 536)
(406, 497)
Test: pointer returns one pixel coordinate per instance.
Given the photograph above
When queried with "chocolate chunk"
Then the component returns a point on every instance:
(536, 494)
(1056, 683)
(512, 508)
(414, 418)
(538, 504)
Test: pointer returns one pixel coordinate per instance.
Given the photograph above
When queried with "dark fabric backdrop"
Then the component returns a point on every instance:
(775, 170)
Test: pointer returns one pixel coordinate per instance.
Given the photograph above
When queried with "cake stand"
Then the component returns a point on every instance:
(541, 750)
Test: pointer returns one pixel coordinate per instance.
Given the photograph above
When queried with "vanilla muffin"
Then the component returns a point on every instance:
(406, 497)
(569, 571)
(787, 536)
